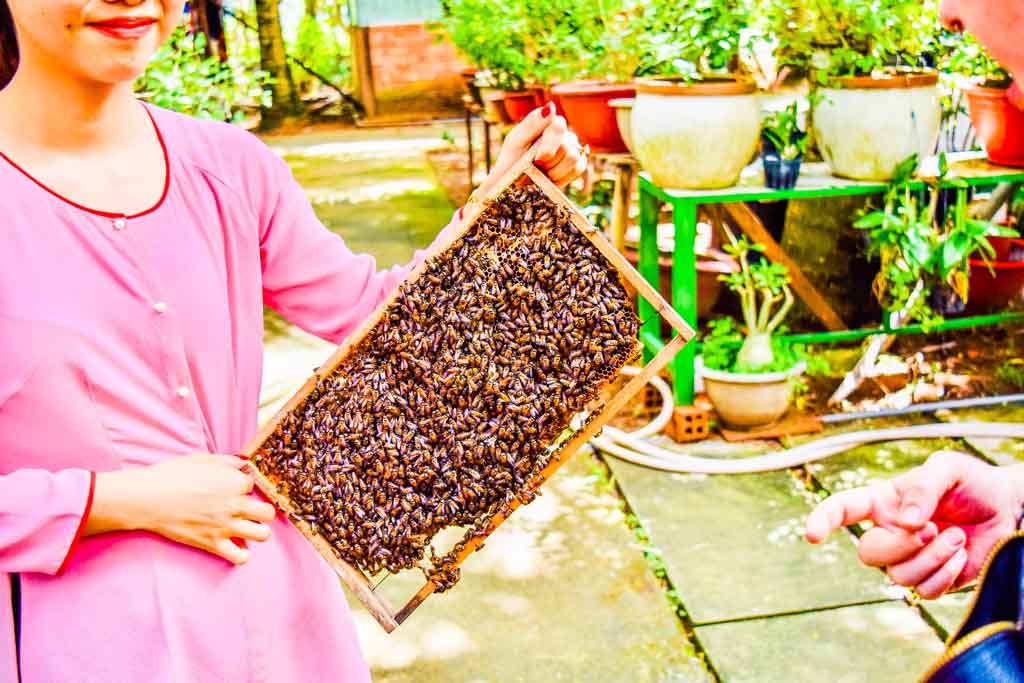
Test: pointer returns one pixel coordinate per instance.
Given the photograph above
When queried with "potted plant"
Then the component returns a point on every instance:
(873, 105)
(783, 145)
(697, 117)
(998, 121)
(749, 376)
(925, 265)
(598, 58)
(497, 37)
(994, 284)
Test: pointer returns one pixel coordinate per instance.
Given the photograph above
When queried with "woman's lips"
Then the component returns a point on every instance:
(124, 29)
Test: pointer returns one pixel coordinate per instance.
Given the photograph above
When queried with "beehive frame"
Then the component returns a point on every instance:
(523, 172)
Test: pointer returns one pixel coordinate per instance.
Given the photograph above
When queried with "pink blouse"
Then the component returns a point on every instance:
(129, 339)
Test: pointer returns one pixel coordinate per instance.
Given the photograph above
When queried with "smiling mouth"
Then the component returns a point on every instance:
(125, 28)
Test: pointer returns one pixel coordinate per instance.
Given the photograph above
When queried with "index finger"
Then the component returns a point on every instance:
(839, 510)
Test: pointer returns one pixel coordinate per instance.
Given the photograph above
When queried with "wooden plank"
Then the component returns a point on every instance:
(751, 225)
(610, 409)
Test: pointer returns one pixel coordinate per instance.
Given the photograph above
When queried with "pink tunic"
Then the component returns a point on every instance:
(129, 339)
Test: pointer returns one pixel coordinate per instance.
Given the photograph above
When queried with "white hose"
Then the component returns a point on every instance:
(631, 447)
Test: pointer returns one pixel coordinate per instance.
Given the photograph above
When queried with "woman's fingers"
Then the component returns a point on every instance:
(568, 169)
(250, 531)
(551, 142)
(523, 135)
(256, 510)
(930, 559)
(880, 547)
(230, 551)
(945, 578)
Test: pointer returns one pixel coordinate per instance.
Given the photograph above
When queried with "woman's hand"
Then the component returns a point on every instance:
(934, 525)
(200, 500)
(560, 154)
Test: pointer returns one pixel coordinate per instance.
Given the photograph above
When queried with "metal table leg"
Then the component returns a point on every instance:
(684, 293)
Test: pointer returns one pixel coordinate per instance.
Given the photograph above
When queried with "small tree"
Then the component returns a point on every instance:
(765, 298)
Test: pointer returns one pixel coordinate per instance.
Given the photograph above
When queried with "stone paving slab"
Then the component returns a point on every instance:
(734, 547)
(560, 592)
(1001, 451)
(865, 644)
(869, 462)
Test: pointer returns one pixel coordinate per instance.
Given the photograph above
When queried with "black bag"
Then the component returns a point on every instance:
(989, 645)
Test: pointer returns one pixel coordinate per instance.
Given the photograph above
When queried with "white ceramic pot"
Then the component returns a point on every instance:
(696, 136)
(748, 401)
(866, 126)
(623, 107)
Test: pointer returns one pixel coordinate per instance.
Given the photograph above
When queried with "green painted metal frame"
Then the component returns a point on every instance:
(685, 204)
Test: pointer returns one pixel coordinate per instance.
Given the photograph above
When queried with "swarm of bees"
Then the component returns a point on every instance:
(446, 409)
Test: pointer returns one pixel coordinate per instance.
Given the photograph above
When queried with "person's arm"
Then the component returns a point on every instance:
(200, 500)
(42, 518)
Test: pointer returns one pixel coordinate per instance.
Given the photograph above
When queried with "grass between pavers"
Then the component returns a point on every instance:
(605, 479)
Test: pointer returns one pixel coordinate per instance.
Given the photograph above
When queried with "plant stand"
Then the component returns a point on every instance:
(815, 181)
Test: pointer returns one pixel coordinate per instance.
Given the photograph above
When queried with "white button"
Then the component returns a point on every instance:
(160, 307)
(184, 392)
(120, 223)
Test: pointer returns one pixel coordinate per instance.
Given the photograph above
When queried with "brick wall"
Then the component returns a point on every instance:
(404, 55)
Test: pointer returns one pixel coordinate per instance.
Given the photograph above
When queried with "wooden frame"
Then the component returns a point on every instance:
(524, 171)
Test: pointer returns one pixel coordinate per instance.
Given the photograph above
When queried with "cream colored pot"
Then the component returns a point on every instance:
(866, 126)
(623, 107)
(697, 136)
(749, 401)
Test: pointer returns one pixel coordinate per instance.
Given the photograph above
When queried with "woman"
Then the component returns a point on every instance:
(138, 249)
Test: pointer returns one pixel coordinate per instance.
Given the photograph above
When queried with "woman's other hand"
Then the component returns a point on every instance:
(201, 500)
(559, 155)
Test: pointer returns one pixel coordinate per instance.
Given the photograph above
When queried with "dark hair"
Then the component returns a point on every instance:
(8, 45)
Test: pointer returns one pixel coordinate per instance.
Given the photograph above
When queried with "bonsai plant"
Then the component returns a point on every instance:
(696, 120)
(783, 145)
(924, 265)
(748, 375)
(864, 57)
(998, 121)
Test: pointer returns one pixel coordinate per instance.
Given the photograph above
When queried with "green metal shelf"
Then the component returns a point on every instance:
(815, 182)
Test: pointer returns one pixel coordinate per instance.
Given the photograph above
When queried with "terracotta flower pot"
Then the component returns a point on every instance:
(866, 126)
(987, 291)
(540, 94)
(695, 136)
(749, 401)
(590, 116)
(1000, 125)
(494, 104)
(519, 104)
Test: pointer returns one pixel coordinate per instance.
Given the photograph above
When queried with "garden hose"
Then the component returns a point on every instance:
(631, 447)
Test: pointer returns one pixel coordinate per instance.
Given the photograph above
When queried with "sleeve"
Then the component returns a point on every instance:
(309, 275)
(42, 516)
